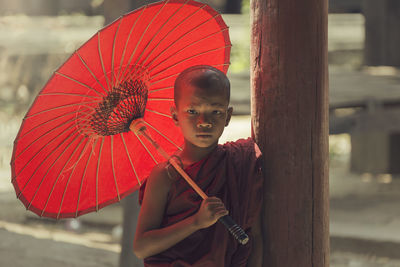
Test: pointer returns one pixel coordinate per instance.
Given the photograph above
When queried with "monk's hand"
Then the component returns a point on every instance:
(211, 209)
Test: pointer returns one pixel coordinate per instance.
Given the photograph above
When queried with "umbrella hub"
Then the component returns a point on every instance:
(124, 103)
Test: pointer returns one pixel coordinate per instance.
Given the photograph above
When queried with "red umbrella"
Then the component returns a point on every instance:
(74, 152)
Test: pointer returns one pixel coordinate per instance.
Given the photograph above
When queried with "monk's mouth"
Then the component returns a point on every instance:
(205, 136)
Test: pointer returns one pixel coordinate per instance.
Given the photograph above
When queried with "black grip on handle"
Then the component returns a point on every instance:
(235, 229)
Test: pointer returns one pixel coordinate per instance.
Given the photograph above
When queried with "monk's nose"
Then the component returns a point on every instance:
(203, 122)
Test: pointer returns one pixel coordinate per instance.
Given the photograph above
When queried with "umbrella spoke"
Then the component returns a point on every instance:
(97, 174)
(43, 135)
(158, 31)
(163, 135)
(140, 40)
(78, 82)
(160, 89)
(126, 43)
(130, 160)
(91, 72)
(102, 63)
(165, 78)
(176, 74)
(67, 94)
(112, 165)
(59, 174)
(113, 52)
(186, 59)
(83, 177)
(49, 169)
(43, 123)
(159, 113)
(159, 99)
(191, 44)
(48, 143)
(170, 31)
(145, 147)
(63, 106)
(72, 172)
(183, 35)
(38, 167)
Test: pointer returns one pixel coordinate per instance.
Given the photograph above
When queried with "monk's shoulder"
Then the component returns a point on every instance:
(159, 179)
(244, 148)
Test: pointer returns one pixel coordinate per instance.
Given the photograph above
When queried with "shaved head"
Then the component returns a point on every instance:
(202, 77)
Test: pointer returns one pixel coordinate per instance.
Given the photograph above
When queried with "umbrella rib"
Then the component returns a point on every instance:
(49, 131)
(145, 147)
(165, 78)
(113, 52)
(160, 89)
(159, 99)
(158, 31)
(97, 174)
(199, 40)
(91, 72)
(58, 176)
(83, 177)
(188, 58)
(48, 170)
(102, 62)
(176, 74)
(183, 35)
(126, 43)
(37, 168)
(43, 123)
(78, 82)
(112, 164)
(54, 138)
(169, 140)
(70, 175)
(63, 106)
(159, 113)
(67, 94)
(130, 160)
(165, 36)
(140, 40)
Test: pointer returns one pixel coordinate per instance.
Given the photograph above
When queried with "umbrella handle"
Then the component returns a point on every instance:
(138, 127)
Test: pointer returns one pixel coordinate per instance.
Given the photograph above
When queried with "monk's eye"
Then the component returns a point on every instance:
(191, 111)
(217, 112)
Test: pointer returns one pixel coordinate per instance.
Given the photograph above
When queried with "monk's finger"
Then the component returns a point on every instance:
(218, 211)
(214, 206)
(221, 213)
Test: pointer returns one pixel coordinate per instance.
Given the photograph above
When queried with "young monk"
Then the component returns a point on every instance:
(175, 226)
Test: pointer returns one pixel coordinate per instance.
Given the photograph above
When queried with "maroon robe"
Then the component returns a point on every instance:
(232, 173)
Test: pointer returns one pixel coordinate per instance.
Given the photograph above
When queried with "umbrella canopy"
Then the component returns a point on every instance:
(74, 152)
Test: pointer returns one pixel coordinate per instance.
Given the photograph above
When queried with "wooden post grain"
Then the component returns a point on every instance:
(289, 81)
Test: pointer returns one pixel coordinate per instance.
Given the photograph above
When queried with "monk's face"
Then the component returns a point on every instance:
(202, 114)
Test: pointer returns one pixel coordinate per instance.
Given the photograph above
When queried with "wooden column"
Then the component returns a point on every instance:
(289, 80)
(382, 38)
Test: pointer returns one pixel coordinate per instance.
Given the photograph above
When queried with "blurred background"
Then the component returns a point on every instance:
(36, 36)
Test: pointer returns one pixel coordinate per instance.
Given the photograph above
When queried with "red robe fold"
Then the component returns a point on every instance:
(232, 173)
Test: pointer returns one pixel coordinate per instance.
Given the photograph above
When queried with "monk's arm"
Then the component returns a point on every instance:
(256, 256)
(150, 239)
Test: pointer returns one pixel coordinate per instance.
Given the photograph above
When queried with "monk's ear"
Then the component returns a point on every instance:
(174, 114)
(229, 115)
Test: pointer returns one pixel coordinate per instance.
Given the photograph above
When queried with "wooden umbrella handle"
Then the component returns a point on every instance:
(138, 127)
